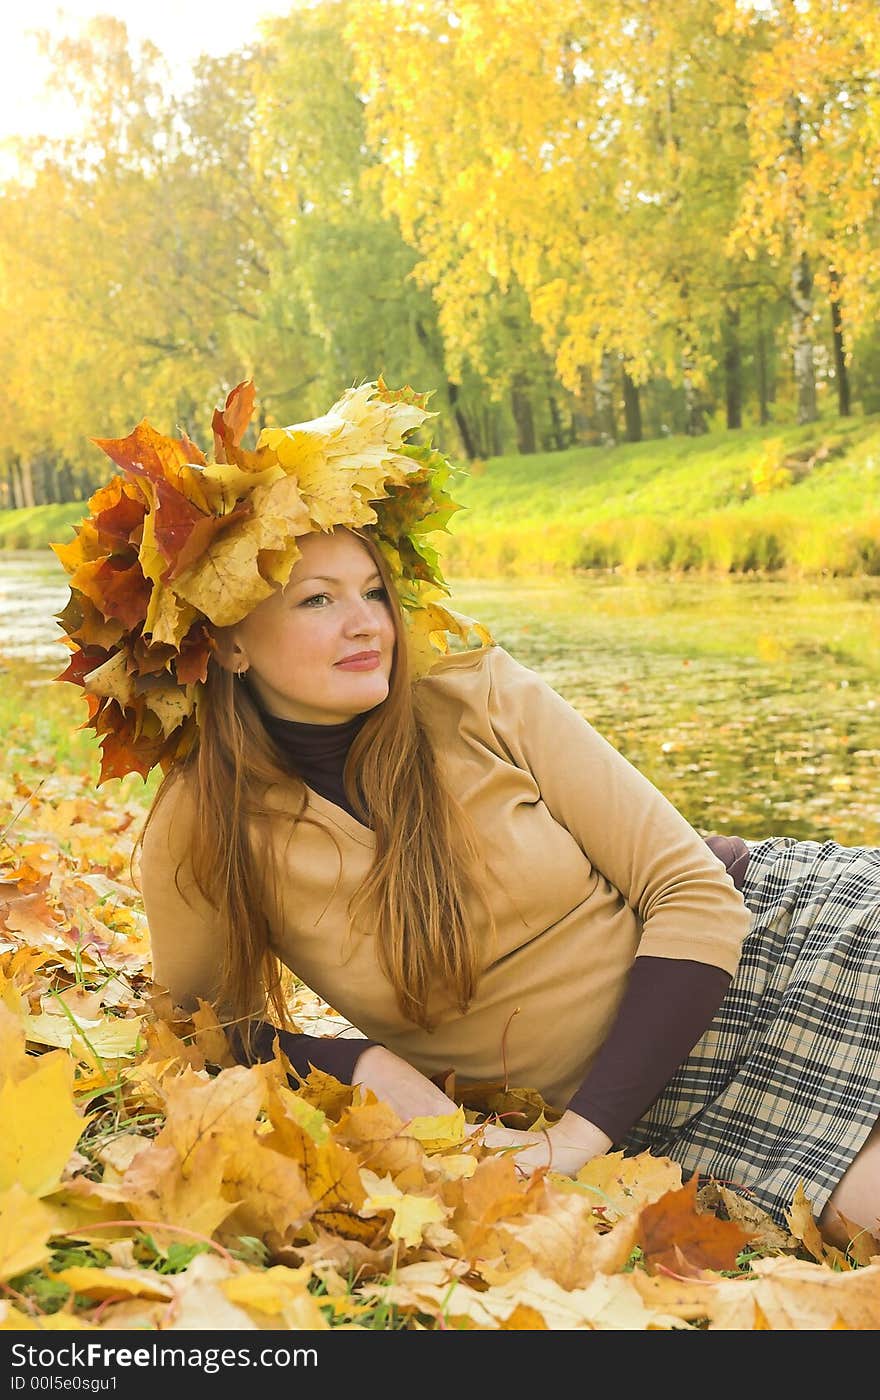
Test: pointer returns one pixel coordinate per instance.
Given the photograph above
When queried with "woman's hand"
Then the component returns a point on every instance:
(395, 1082)
(564, 1147)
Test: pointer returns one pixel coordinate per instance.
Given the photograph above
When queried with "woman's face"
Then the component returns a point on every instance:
(320, 650)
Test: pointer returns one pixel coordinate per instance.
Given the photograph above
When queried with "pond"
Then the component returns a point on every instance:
(753, 705)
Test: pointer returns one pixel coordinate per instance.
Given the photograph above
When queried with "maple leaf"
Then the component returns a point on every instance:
(41, 1126)
(153, 457)
(89, 1282)
(83, 621)
(112, 680)
(411, 1215)
(226, 583)
(805, 1228)
(110, 1037)
(82, 663)
(270, 1189)
(621, 1185)
(346, 459)
(210, 1037)
(116, 585)
(118, 510)
(122, 754)
(675, 1237)
(25, 1227)
(278, 1292)
(183, 532)
(230, 424)
(159, 1185)
(300, 1132)
(795, 1295)
(334, 1254)
(379, 1138)
(439, 1131)
(562, 1241)
(222, 1110)
(196, 648)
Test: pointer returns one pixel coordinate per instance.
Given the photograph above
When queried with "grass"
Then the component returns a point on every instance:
(41, 724)
(36, 527)
(805, 500)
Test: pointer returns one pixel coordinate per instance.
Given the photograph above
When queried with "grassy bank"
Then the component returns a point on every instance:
(38, 526)
(799, 500)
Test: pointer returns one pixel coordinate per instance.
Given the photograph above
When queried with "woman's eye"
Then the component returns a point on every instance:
(316, 598)
(380, 593)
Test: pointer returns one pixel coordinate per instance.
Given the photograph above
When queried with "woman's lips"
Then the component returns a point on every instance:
(363, 661)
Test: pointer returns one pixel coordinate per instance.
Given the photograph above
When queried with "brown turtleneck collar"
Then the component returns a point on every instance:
(317, 753)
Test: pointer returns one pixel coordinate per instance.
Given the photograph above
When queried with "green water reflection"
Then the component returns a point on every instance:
(753, 705)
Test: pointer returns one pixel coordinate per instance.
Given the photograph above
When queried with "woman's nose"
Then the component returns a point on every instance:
(361, 617)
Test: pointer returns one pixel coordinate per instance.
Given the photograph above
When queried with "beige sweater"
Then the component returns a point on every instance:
(587, 866)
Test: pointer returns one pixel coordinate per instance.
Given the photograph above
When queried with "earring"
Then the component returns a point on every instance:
(241, 673)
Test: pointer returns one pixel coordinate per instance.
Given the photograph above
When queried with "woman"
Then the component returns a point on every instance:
(449, 854)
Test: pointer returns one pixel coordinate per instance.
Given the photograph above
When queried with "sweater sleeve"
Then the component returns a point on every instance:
(186, 943)
(667, 1005)
(632, 835)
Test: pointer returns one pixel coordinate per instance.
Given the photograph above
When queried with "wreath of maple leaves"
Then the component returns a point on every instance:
(175, 543)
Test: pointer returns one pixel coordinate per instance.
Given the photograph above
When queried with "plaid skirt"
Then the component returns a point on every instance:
(784, 1087)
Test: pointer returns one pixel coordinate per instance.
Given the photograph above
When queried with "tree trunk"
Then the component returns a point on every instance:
(733, 369)
(694, 409)
(494, 439)
(15, 482)
(64, 483)
(581, 422)
(632, 408)
(802, 339)
(522, 416)
(604, 395)
(761, 358)
(27, 482)
(840, 369)
(556, 420)
(43, 481)
(461, 422)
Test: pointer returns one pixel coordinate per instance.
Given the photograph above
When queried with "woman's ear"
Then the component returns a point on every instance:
(229, 652)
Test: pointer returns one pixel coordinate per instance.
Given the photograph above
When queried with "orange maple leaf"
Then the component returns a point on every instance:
(230, 424)
(679, 1240)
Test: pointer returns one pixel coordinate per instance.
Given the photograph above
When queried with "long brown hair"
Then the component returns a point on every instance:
(415, 897)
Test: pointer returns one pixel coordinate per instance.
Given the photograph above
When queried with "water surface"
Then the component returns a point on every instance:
(753, 705)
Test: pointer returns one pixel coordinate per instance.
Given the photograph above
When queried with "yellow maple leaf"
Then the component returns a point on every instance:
(25, 1226)
(623, 1185)
(270, 1189)
(158, 1185)
(114, 1282)
(226, 584)
(13, 1320)
(41, 1126)
(411, 1215)
(223, 1109)
(278, 1291)
(110, 1037)
(440, 1131)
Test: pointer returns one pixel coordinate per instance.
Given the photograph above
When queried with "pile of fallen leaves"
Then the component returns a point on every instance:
(148, 1181)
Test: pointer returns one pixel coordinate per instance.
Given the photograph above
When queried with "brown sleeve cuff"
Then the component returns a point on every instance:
(333, 1054)
(667, 1006)
(733, 853)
